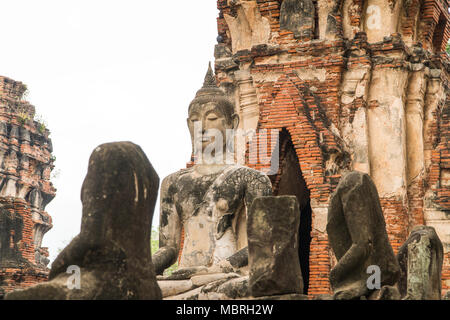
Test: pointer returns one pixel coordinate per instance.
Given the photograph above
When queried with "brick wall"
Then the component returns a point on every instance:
(290, 104)
(434, 24)
(299, 84)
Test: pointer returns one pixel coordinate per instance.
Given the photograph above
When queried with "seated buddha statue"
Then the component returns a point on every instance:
(208, 202)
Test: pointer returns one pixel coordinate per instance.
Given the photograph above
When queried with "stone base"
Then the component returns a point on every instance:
(290, 296)
(220, 286)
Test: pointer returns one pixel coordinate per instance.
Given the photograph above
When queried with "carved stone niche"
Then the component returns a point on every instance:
(39, 230)
(224, 58)
(11, 226)
(247, 27)
(297, 16)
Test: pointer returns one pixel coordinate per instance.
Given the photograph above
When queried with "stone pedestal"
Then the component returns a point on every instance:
(273, 224)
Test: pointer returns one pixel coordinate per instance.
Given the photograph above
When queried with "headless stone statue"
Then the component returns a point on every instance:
(112, 251)
(357, 234)
(420, 259)
(208, 202)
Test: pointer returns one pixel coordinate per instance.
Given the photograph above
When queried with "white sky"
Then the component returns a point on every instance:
(107, 70)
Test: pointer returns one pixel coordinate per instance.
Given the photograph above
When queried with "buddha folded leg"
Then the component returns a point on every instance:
(172, 288)
(236, 263)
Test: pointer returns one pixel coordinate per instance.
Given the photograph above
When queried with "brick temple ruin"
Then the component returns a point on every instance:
(350, 85)
(26, 163)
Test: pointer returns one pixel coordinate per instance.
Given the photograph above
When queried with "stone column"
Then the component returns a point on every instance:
(387, 149)
(433, 97)
(414, 142)
(351, 17)
(248, 100)
(355, 91)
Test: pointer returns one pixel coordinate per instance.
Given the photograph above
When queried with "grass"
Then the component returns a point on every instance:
(155, 246)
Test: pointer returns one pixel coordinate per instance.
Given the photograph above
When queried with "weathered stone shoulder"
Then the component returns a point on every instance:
(168, 185)
(352, 180)
(252, 175)
(262, 177)
(257, 183)
(175, 176)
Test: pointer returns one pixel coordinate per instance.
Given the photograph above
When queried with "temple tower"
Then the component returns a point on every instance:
(25, 190)
(349, 85)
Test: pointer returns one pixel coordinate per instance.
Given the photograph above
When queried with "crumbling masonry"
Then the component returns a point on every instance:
(25, 189)
(350, 85)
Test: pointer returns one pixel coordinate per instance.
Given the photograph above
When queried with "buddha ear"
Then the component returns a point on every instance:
(189, 124)
(235, 120)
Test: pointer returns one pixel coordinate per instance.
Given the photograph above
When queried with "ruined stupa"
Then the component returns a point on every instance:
(349, 85)
(26, 163)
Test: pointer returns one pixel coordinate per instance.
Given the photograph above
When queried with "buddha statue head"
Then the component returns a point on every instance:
(212, 119)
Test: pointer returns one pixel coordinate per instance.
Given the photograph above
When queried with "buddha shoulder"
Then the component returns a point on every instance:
(254, 177)
(170, 182)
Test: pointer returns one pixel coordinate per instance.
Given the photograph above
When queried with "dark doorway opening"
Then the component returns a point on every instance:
(290, 181)
(438, 35)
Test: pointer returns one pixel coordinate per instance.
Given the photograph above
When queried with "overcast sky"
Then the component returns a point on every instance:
(107, 70)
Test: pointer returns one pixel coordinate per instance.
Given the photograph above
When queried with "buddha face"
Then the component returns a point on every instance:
(208, 125)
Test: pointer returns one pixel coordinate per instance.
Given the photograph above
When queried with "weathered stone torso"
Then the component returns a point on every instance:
(357, 234)
(197, 222)
(209, 207)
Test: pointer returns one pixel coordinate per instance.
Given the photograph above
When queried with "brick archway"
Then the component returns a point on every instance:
(289, 181)
(287, 107)
(292, 106)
